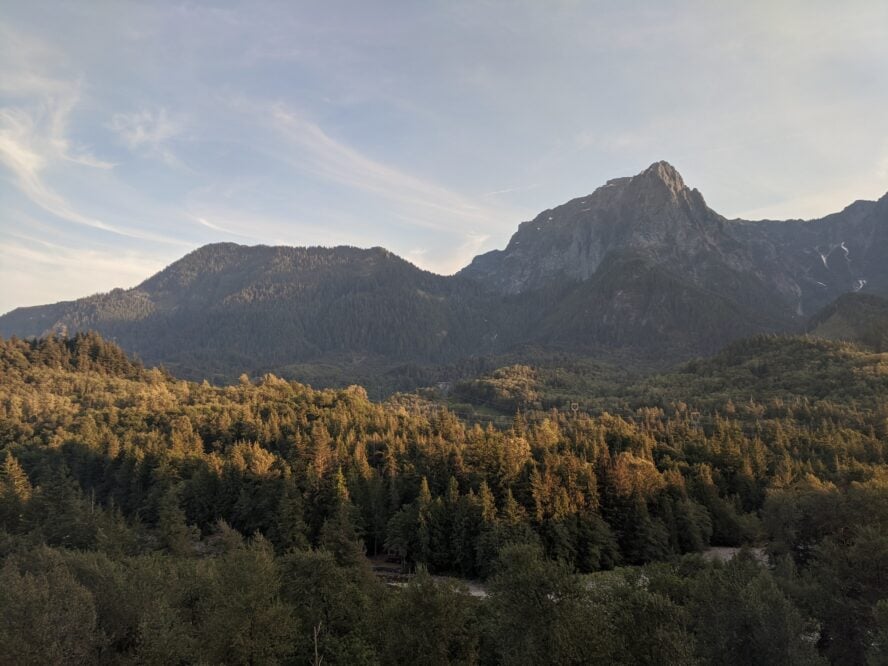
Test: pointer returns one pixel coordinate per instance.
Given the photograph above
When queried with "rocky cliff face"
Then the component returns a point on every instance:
(652, 215)
(822, 259)
(786, 270)
(648, 225)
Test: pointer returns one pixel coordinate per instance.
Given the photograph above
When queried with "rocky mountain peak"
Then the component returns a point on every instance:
(658, 177)
(657, 188)
(663, 173)
(652, 213)
(659, 184)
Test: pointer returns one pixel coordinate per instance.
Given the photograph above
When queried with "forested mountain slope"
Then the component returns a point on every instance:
(226, 308)
(861, 318)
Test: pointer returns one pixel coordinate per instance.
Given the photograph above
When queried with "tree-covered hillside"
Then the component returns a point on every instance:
(225, 309)
(763, 369)
(860, 318)
(247, 511)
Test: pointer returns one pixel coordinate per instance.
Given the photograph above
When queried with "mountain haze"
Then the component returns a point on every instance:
(641, 264)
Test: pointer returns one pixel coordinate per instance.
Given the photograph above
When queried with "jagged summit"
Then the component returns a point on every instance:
(665, 173)
(658, 174)
(652, 213)
(661, 184)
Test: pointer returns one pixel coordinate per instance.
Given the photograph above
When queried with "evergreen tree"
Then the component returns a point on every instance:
(46, 617)
(15, 494)
(243, 618)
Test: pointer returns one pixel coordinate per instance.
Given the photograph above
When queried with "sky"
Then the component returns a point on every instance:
(134, 132)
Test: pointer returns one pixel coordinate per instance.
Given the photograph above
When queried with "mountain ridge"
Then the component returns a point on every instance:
(642, 264)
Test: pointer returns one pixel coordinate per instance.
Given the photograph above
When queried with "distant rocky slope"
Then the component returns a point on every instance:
(640, 265)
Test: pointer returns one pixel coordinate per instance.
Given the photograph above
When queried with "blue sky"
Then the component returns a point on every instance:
(131, 133)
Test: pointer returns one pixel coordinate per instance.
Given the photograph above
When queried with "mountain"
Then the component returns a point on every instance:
(653, 215)
(227, 306)
(640, 266)
(644, 261)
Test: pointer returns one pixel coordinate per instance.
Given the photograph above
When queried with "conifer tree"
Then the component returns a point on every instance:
(15, 494)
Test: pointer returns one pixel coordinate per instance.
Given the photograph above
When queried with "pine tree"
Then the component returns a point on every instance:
(288, 528)
(340, 534)
(15, 494)
(176, 535)
(244, 619)
(423, 523)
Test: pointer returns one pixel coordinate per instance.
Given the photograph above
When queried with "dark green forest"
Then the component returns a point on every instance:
(146, 519)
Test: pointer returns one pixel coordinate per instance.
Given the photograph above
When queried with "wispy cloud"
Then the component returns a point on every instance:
(35, 270)
(322, 227)
(34, 135)
(30, 144)
(222, 226)
(27, 154)
(39, 105)
(511, 190)
(148, 132)
(133, 264)
(427, 203)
